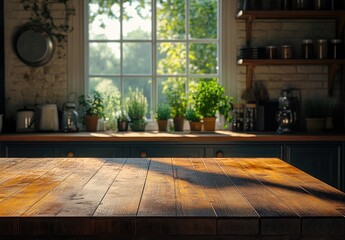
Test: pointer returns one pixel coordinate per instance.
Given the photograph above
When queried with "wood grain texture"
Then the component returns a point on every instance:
(165, 198)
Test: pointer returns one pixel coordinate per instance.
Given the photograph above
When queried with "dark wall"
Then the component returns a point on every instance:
(2, 63)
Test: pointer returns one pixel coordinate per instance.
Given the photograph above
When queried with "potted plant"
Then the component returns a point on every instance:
(122, 120)
(136, 104)
(94, 110)
(209, 99)
(177, 100)
(162, 115)
(194, 119)
(316, 111)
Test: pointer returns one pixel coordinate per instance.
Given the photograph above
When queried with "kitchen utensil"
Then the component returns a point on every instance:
(70, 118)
(49, 118)
(25, 120)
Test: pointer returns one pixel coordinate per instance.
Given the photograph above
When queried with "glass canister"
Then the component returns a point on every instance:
(70, 118)
(238, 117)
(250, 117)
(336, 49)
(322, 49)
(271, 52)
(303, 4)
(321, 4)
(307, 49)
(286, 51)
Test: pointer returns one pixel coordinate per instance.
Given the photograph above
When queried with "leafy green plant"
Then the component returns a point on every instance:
(177, 99)
(163, 112)
(210, 98)
(316, 108)
(93, 105)
(136, 104)
(192, 115)
(42, 14)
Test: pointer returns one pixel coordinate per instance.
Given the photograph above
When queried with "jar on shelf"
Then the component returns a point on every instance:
(321, 4)
(238, 117)
(250, 117)
(286, 51)
(336, 49)
(322, 49)
(303, 4)
(271, 52)
(307, 49)
(70, 118)
(281, 4)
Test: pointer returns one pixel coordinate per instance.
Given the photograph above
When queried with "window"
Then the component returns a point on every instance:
(149, 44)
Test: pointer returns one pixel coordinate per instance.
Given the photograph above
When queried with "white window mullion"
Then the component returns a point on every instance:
(154, 87)
(187, 45)
(122, 85)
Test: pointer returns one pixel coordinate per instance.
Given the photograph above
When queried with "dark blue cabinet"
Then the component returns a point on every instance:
(321, 160)
(245, 149)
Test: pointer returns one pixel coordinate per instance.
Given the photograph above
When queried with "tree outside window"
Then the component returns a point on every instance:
(151, 44)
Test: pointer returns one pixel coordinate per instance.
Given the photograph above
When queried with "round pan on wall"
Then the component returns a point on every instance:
(34, 45)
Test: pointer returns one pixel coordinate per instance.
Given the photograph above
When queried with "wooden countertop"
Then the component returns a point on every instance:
(218, 136)
(166, 197)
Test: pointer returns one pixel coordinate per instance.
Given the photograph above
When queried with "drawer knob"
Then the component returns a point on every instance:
(219, 154)
(143, 154)
(70, 154)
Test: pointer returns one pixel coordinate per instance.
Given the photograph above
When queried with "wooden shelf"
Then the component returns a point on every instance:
(333, 64)
(251, 16)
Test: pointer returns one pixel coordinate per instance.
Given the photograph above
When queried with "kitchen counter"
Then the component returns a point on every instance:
(166, 198)
(226, 136)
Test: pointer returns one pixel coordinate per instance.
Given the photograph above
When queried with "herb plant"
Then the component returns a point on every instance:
(136, 104)
(93, 105)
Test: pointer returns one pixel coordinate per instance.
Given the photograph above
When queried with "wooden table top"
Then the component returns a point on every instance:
(166, 196)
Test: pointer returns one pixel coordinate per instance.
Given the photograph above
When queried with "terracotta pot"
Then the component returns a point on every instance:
(315, 124)
(162, 125)
(91, 123)
(195, 126)
(209, 124)
(178, 123)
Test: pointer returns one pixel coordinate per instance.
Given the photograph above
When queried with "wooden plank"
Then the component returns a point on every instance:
(330, 201)
(190, 196)
(55, 200)
(30, 190)
(264, 202)
(34, 167)
(226, 200)
(86, 200)
(301, 201)
(158, 197)
(124, 195)
(310, 184)
(8, 162)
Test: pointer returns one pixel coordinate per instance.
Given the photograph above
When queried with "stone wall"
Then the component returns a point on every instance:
(31, 85)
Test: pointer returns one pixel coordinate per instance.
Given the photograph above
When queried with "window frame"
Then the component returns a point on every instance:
(228, 31)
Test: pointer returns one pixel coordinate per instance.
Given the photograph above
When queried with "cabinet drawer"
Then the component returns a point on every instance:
(249, 150)
(167, 151)
(29, 150)
(104, 150)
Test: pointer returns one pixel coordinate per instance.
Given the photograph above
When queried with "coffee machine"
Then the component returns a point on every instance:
(288, 113)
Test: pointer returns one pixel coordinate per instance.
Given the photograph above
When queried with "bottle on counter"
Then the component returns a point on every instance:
(271, 52)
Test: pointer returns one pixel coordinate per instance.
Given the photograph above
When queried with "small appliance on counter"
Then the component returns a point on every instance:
(25, 120)
(70, 118)
(288, 113)
(48, 118)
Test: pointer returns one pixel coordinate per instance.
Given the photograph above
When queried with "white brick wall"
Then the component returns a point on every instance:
(25, 85)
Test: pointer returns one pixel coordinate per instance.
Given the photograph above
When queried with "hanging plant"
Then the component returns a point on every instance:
(41, 13)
